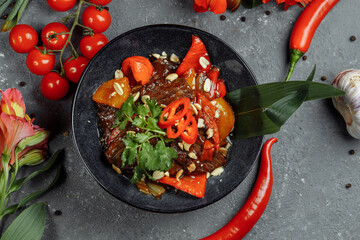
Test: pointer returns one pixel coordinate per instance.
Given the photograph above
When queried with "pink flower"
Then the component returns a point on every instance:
(13, 126)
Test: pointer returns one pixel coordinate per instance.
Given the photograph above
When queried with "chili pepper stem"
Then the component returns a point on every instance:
(295, 55)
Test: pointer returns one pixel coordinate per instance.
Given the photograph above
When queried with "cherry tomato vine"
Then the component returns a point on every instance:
(56, 38)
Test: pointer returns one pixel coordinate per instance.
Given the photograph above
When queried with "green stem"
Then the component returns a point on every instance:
(4, 180)
(75, 23)
(295, 55)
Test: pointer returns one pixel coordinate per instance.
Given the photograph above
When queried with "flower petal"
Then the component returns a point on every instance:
(201, 5)
(218, 6)
(12, 102)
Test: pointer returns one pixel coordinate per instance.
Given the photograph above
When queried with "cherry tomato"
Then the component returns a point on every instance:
(23, 38)
(90, 45)
(53, 86)
(39, 63)
(54, 42)
(98, 20)
(61, 5)
(74, 68)
(101, 2)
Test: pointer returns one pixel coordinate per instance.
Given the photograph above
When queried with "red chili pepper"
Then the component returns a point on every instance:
(208, 151)
(179, 126)
(189, 135)
(194, 185)
(170, 112)
(305, 28)
(255, 205)
(139, 67)
(192, 58)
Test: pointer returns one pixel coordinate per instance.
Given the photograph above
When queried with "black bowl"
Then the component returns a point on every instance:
(145, 41)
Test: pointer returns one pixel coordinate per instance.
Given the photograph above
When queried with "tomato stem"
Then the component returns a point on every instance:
(68, 41)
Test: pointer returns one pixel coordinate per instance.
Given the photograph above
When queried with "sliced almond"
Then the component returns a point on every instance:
(207, 85)
(204, 62)
(119, 74)
(213, 103)
(136, 96)
(164, 54)
(217, 171)
(118, 170)
(118, 89)
(192, 155)
(156, 55)
(158, 174)
(144, 97)
(208, 175)
(210, 133)
(162, 105)
(223, 151)
(167, 174)
(200, 123)
(179, 174)
(171, 77)
(186, 146)
(198, 106)
(181, 145)
(191, 167)
(193, 108)
(217, 114)
(174, 58)
(228, 145)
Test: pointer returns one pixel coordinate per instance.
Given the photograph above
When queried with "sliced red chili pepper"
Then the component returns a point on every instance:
(171, 114)
(191, 131)
(192, 58)
(208, 151)
(206, 105)
(194, 185)
(179, 126)
(139, 67)
(220, 88)
(256, 203)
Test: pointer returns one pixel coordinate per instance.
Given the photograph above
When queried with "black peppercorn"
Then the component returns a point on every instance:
(351, 152)
(348, 185)
(267, 12)
(323, 78)
(352, 38)
(21, 84)
(304, 58)
(222, 17)
(58, 212)
(243, 19)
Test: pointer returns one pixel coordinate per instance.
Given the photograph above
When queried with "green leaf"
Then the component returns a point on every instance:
(121, 124)
(128, 156)
(155, 109)
(143, 137)
(147, 154)
(152, 125)
(4, 4)
(166, 155)
(30, 197)
(14, 15)
(130, 141)
(142, 110)
(139, 122)
(312, 74)
(17, 184)
(29, 225)
(251, 3)
(139, 171)
(263, 109)
(127, 109)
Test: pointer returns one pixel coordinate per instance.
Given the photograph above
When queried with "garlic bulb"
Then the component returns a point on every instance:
(349, 104)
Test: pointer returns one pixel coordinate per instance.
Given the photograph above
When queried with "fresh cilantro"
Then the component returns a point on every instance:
(137, 146)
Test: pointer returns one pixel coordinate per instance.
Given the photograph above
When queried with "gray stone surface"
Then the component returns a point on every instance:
(311, 161)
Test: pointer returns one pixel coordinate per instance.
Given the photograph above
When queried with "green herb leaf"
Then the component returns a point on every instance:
(143, 137)
(30, 224)
(263, 109)
(139, 171)
(155, 109)
(142, 110)
(152, 125)
(139, 122)
(128, 156)
(147, 154)
(164, 161)
(127, 109)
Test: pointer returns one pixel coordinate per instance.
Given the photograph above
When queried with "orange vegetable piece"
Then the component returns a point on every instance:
(189, 75)
(226, 120)
(138, 67)
(194, 185)
(113, 92)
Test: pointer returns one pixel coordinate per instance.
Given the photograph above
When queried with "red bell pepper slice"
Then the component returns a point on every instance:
(179, 126)
(208, 114)
(169, 116)
(192, 58)
(208, 151)
(139, 67)
(220, 88)
(213, 75)
(194, 185)
(191, 131)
